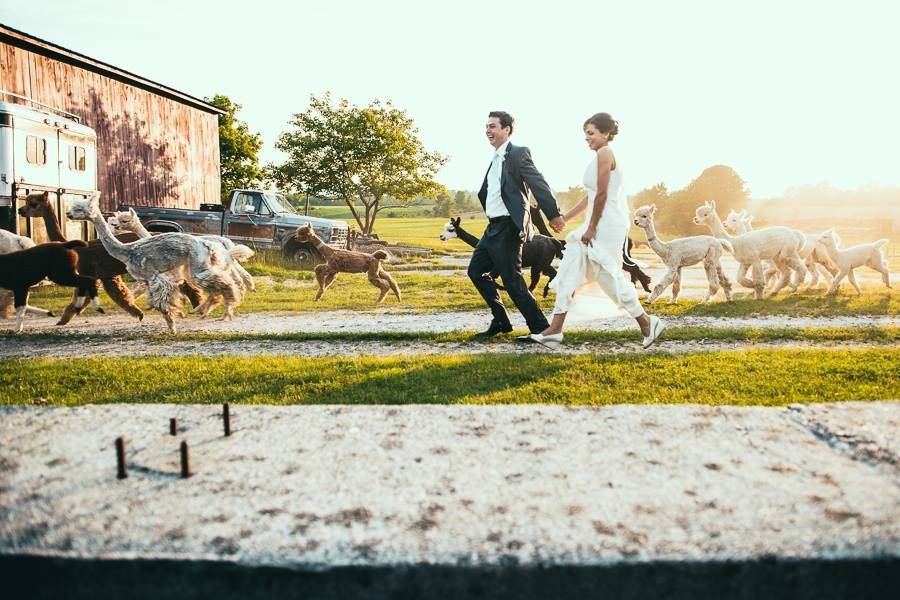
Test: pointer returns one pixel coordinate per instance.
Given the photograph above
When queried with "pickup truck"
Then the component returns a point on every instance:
(256, 218)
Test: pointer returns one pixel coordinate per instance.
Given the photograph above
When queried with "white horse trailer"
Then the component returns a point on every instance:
(44, 149)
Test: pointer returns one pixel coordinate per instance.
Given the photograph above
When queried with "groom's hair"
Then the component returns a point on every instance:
(506, 119)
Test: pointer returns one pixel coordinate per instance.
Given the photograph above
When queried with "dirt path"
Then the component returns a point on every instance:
(390, 321)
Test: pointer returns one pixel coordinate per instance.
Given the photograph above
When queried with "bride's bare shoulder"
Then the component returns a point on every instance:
(605, 156)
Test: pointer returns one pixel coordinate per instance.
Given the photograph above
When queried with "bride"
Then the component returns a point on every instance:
(593, 251)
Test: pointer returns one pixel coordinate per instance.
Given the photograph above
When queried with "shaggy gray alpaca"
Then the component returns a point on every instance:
(129, 221)
(164, 260)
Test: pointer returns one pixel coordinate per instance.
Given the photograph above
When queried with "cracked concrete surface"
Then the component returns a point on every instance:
(455, 485)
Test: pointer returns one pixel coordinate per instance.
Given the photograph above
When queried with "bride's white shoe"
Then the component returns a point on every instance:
(657, 326)
(554, 340)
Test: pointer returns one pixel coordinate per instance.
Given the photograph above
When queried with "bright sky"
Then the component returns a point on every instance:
(786, 92)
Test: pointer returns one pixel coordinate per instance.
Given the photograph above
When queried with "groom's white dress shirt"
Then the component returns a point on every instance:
(493, 205)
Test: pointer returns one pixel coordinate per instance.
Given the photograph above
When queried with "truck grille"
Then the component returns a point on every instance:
(338, 237)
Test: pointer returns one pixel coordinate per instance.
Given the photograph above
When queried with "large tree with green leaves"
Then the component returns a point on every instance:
(238, 148)
(370, 157)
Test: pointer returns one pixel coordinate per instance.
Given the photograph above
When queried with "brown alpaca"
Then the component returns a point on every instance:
(93, 262)
(56, 261)
(347, 261)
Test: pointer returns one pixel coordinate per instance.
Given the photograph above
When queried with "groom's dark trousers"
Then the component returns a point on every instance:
(500, 250)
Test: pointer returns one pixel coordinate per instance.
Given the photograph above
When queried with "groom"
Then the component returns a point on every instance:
(504, 197)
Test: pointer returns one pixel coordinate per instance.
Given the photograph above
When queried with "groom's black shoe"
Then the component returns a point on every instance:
(495, 328)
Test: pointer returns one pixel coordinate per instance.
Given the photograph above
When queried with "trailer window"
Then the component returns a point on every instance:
(77, 160)
(35, 150)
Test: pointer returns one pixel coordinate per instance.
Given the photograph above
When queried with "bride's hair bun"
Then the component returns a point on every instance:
(604, 124)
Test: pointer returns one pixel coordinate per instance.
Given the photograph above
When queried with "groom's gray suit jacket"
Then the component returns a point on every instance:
(517, 176)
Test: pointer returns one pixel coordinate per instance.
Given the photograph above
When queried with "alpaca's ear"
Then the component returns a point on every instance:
(652, 208)
(132, 213)
(749, 218)
(712, 204)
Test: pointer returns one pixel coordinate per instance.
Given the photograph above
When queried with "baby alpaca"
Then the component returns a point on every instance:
(684, 252)
(868, 255)
(347, 261)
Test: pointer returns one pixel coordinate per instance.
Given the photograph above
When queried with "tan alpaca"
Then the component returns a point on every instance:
(347, 261)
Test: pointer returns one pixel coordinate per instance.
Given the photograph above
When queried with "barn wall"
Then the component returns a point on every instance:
(152, 150)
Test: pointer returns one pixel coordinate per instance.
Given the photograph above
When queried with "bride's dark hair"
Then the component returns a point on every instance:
(604, 124)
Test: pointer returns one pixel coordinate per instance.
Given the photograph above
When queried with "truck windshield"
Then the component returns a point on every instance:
(278, 203)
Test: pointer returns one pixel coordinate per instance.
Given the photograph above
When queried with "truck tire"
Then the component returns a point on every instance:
(305, 254)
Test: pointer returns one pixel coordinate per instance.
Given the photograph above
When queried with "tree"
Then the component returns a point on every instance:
(238, 148)
(460, 201)
(363, 155)
(720, 183)
(443, 206)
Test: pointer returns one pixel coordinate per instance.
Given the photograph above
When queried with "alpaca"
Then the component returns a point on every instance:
(685, 252)
(10, 242)
(347, 261)
(93, 261)
(814, 255)
(868, 255)
(779, 244)
(56, 261)
(130, 222)
(538, 254)
(159, 259)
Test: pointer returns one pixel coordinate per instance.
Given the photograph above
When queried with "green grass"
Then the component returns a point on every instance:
(423, 292)
(754, 377)
(817, 335)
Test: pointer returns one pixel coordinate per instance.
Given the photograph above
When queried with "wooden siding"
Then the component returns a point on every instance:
(152, 150)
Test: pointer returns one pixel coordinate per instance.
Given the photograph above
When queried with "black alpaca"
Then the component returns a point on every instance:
(537, 255)
(56, 261)
(628, 264)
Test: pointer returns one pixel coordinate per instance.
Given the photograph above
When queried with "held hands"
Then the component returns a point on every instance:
(588, 238)
(558, 223)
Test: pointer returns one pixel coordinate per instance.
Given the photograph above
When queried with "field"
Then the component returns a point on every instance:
(815, 347)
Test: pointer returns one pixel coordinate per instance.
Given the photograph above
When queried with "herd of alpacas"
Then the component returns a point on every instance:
(169, 267)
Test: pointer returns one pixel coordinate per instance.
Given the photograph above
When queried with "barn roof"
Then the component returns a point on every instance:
(44, 48)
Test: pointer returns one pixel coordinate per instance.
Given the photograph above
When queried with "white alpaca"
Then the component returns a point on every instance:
(158, 259)
(10, 242)
(778, 244)
(868, 255)
(684, 252)
(233, 253)
(814, 255)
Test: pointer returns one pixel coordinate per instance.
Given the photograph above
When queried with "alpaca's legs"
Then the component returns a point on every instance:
(192, 292)
(385, 276)
(813, 271)
(851, 277)
(21, 302)
(121, 295)
(676, 286)
(661, 286)
(794, 262)
(723, 280)
(245, 277)
(748, 282)
(551, 273)
(709, 265)
(836, 283)
(879, 264)
(382, 285)
(324, 276)
(535, 277)
(784, 278)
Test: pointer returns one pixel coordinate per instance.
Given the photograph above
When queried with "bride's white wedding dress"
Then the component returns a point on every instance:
(601, 262)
